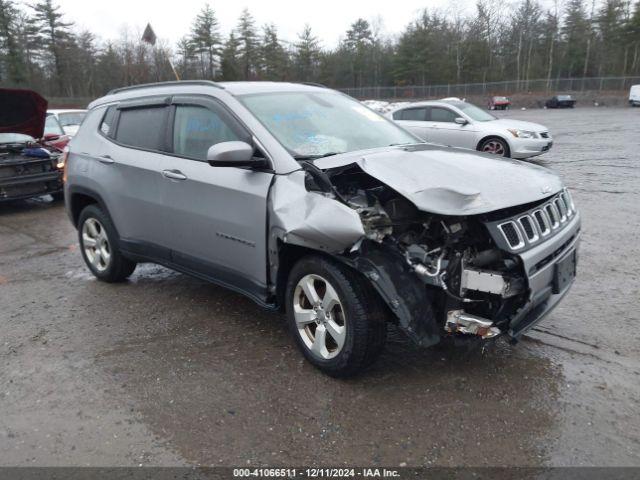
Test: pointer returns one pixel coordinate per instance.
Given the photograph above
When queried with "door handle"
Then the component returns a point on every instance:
(106, 159)
(174, 174)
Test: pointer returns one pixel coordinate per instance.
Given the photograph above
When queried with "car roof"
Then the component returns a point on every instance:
(203, 87)
(57, 111)
(430, 103)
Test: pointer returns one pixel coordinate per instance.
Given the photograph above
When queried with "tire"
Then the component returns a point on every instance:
(496, 146)
(356, 307)
(104, 258)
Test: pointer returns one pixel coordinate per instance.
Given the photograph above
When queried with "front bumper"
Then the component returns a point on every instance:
(540, 264)
(21, 187)
(530, 147)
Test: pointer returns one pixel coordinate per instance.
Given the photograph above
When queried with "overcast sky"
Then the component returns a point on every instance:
(171, 20)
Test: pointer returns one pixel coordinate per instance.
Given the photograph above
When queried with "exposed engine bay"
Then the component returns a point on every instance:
(445, 271)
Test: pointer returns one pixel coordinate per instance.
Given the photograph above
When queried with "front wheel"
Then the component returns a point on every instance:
(495, 146)
(337, 320)
(99, 246)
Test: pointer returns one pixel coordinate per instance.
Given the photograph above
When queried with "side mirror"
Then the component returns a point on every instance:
(232, 154)
(461, 121)
(50, 137)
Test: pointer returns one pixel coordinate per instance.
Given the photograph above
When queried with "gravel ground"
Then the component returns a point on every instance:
(168, 370)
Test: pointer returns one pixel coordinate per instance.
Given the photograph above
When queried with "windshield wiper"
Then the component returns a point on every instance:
(316, 157)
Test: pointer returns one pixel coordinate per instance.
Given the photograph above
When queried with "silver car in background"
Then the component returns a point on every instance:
(457, 123)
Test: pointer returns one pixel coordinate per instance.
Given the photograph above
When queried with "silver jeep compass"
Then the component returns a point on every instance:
(305, 200)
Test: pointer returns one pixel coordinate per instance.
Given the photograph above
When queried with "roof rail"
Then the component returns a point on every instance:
(208, 83)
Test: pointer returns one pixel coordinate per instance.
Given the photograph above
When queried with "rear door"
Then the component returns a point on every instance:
(414, 120)
(128, 160)
(216, 217)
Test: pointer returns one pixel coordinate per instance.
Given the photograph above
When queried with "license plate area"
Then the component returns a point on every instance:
(565, 272)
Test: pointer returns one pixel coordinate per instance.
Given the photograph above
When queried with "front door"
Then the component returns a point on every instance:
(215, 217)
(444, 129)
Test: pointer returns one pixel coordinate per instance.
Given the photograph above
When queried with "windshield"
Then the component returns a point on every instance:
(473, 112)
(316, 124)
(72, 118)
(52, 126)
(15, 138)
(564, 97)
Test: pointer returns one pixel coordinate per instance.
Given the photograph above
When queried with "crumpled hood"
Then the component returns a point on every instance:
(451, 181)
(22, 111)
(519, 124)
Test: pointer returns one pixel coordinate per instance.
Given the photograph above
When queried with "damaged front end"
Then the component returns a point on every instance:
(440, 275)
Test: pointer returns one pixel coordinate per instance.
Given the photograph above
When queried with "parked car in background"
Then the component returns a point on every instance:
(634, 96)
(70, 120)
(28, 167)
(54, 135)
(499, 103)
(560, 101)
(460, 124)
(337, 216)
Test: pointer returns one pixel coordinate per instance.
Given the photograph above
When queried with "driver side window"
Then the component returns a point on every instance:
(197, 128)
(439, 114)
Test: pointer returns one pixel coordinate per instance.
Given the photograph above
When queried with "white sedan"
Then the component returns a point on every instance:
(70, 120)
(457, 123)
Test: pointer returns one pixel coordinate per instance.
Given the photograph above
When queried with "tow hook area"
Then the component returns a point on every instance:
(458, 321)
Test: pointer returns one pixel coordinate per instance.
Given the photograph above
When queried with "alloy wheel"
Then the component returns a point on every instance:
(96, 244)
(494, 146)
(319, 316)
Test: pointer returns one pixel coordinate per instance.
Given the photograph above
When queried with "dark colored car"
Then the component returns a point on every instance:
(560, 101)
(28, 167)
(499, 103)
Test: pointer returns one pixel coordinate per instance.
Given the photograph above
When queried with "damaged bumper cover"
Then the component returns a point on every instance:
(551, 271)
(440, 274)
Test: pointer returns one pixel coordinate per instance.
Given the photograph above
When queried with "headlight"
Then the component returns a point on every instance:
(522, 133)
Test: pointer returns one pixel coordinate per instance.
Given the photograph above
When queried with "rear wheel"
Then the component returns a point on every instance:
(99, 246)
(495, 146)
(337, 320)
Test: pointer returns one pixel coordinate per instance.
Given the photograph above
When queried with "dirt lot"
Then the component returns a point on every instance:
(168, 370)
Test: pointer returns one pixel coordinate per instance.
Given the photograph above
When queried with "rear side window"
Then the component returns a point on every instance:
(415, 114)
(197, 128)
(142, 127)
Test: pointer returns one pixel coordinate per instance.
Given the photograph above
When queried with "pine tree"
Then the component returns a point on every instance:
(274, 57)
(307, 55)
(206, 41)
(230, 64)
(575, 33)
(12, 66)
(54, 37)
(249, 47)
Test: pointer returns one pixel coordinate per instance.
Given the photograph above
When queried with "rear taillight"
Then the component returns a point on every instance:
(62, 163)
